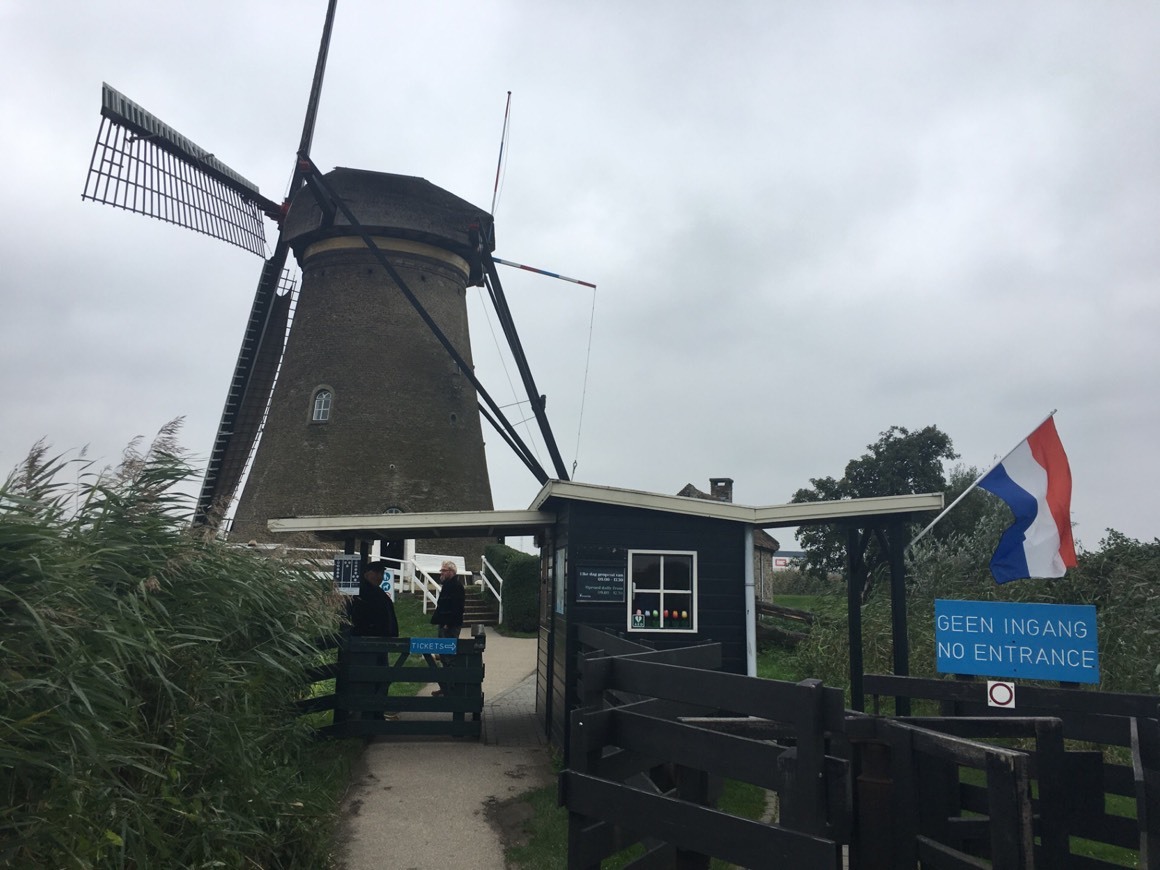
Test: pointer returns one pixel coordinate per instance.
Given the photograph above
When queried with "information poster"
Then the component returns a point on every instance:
(604, 585)
(346, 571)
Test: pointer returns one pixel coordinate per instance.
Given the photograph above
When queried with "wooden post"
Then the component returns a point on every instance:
(898, 610)
(1145, 735)
(854, 618)
(874, 844)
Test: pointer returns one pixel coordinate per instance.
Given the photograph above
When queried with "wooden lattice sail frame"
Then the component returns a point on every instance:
(143, 165)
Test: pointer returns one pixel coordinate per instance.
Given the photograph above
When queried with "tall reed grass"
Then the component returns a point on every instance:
(147, 676)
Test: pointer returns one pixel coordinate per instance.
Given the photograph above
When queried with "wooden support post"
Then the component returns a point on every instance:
(898, 610)
(854, 617)
(1009, 803)
(1050, 759)
(1145, 735)
(874, 844)
(692, 786)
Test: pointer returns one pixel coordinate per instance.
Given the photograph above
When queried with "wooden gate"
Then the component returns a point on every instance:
(1102, 787)
(367, 668)
(658, 735)
(659, 731)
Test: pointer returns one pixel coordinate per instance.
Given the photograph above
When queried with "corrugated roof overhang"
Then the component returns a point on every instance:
(457, 524)
(766, 517)
(434, 524)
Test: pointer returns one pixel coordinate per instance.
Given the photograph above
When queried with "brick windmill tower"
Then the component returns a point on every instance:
(369, 409)
(356, 394)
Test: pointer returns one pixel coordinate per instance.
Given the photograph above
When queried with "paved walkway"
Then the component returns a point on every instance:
(418, 803)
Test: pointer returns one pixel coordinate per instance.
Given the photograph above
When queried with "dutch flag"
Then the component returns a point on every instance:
(1035, 481)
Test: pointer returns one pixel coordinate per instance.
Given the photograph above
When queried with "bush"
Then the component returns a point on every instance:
(521, 593)
(499, 555)
(148, 676)
(521, 586)
(794, 581)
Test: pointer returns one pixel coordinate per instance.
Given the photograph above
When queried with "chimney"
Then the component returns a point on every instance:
(721, 488)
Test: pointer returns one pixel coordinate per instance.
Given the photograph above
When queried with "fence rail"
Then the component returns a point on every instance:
(367, 667)
(657, 732)
(647, 759)
(1081, 792)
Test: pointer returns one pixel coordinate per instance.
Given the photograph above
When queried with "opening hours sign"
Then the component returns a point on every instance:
(1032, 641)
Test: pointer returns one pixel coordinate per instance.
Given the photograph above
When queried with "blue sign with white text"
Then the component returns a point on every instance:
(442, 646)
(1001, 639)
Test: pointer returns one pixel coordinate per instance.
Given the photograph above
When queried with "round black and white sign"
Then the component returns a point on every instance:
(1000, 694)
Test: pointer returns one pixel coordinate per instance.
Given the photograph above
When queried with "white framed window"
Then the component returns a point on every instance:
(323, 399)
(663, 590)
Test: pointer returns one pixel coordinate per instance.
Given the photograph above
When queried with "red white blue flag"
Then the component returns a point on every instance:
(1035, 481)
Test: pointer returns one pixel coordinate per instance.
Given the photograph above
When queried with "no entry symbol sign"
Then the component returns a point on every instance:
(1000, 694)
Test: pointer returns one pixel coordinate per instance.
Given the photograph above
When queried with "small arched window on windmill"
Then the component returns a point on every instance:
(323, 400)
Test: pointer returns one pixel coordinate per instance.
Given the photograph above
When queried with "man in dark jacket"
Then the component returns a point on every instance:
(373, 611)
(449, 609)
(448, 613)
(373, 615)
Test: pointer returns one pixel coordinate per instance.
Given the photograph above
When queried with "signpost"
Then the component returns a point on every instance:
(1032, 641)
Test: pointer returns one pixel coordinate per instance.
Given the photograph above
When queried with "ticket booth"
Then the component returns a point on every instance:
(664, 571)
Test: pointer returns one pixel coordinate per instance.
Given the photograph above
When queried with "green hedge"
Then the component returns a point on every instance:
(521, 586)
(148, 675)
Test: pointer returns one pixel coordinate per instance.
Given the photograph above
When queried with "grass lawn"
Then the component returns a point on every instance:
(546, 831)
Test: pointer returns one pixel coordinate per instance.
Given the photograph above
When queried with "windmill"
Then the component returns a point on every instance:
(364, 398)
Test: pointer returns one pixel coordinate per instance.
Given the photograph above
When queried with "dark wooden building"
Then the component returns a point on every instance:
(662, 570)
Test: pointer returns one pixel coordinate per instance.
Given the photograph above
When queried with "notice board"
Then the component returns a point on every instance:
(603, 584)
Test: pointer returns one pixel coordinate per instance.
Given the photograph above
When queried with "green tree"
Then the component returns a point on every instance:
(900, 462)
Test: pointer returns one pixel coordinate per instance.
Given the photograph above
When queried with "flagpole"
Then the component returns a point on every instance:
(967, 491)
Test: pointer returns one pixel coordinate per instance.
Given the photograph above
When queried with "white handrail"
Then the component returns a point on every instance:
(498, 593)
(427, 584)
(411, 575)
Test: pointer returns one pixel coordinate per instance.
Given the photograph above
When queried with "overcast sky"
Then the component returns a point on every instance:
(808, 222)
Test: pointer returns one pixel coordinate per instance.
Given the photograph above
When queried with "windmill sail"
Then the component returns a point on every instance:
(249, 393)
(145, 166)
(264, 340)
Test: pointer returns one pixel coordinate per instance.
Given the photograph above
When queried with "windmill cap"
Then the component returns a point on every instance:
(396, 206)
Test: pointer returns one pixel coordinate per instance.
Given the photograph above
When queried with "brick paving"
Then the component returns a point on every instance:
(510, 719)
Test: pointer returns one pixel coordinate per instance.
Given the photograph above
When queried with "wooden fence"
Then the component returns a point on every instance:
(1081, 792)
(658, 732)
(904, 774)
(367, 668)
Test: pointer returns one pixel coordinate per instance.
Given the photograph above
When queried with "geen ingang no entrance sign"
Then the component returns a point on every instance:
(1032, 641)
